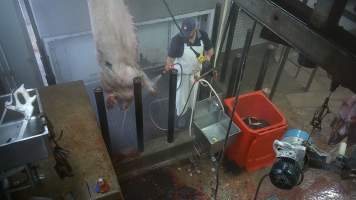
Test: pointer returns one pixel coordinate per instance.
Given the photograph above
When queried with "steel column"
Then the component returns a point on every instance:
(137, 82)
(282, 52)
(330, 51)
(50, 77)
(326, 14)
(310, 80)
(103, 121)
(238, 81)
(243, 60)
(230, 25)
(264, 67)
(172, 104)
(214, 34)
(279, 72)
(232, 79)
(298, 70)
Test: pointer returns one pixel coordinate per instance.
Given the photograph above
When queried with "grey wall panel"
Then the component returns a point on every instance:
(144, 10)
(153, 42)
(244, 22)
(74, 58)
(61, 17)
(16, 44)
(55, 17)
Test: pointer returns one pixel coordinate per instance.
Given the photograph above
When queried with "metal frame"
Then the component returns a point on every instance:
(310, 80)
(243, 60)
(7, 75)
(172, 104)
(103, 121)
(335, 59)
(279, 72)
(50, 76)
(230, 29)
(169, 19)
(264, 66)
(214, 33)
(232, 79)
(137, 82)
(33, 178)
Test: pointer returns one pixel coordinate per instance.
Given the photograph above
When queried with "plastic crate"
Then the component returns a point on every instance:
(253, 147)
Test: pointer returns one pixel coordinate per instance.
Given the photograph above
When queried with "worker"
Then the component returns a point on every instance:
(180, 51)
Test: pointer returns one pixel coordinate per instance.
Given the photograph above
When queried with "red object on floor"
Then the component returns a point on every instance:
(253, 147)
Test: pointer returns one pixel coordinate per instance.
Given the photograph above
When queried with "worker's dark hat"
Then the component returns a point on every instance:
(188, 26)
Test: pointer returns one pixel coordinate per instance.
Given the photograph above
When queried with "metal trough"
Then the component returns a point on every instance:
(211, 124)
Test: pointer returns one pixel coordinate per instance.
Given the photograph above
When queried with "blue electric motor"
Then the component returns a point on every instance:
(287, 171)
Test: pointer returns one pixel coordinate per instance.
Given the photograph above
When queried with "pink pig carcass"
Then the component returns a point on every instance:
(116, 45)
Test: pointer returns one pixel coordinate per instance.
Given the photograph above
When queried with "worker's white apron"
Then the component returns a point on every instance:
(191, 67)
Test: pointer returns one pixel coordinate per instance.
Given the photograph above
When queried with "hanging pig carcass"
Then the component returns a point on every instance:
(116, 45)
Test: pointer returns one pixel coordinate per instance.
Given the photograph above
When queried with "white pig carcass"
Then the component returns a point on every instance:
(116, 45)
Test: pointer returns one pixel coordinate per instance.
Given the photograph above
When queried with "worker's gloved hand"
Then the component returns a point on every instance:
(168, 68)
(202, 59)
(207, 58)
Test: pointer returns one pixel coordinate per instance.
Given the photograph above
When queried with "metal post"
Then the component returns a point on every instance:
(137, 81)
(230, 37)
(279, 72)
(234, 71)
(243, 60)
(103, 121)
(253, 30)
(172, 104)
(214, 34)
(281, 55)
(239, 78)
(311, 78)
(221, 40)
(326, 14)
(298, 70)
(51, 79)
(264, 67)
(226, 28)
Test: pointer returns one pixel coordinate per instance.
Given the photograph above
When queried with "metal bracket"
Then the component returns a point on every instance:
(23, 102)
(23, 105)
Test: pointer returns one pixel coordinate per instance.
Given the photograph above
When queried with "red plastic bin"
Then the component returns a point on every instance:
(253, 148)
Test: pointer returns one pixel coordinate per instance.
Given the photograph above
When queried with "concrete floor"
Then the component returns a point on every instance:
(183, 181)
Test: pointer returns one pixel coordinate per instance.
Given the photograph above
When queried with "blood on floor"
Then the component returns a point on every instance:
(159, 184)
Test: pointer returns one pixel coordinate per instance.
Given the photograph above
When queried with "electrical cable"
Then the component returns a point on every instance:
(190, 92)
(187, 101)
(62, 166)
(181, 74)
(150, 114)
(201, 81)
(163, 99)
(166, 98)
(259, 186)
(221, 156)
(193, 107)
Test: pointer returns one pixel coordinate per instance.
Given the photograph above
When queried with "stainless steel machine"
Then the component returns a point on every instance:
(23, 139)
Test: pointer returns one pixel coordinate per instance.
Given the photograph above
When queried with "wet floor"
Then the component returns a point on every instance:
(184, 181)
(160, 184)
